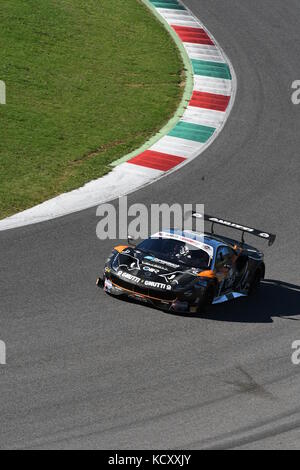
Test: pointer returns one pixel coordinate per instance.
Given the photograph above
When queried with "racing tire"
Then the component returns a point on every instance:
(206, 301)
(255, 283)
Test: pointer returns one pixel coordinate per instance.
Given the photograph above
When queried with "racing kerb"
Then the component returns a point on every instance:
(212, 97)
(211, 100)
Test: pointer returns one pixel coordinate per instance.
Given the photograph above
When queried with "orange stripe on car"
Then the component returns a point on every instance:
(120, 248)
(209, 274)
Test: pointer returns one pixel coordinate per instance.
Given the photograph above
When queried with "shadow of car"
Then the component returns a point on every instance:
(273, 299)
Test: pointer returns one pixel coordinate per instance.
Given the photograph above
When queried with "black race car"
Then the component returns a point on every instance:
(186, 271)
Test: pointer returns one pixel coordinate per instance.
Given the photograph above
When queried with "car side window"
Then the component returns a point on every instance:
(224, 257)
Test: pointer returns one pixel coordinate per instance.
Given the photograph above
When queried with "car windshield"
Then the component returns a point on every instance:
(175, 251)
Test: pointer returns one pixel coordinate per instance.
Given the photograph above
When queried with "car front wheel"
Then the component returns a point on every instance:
(205, 301)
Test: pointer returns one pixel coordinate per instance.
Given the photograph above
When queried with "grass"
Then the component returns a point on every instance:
(87, 82)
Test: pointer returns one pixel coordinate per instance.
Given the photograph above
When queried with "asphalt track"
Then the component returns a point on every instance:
(85, 371)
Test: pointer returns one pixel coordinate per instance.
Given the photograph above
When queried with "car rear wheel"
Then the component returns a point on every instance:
(255, 283)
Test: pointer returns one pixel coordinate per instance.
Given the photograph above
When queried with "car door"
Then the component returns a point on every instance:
(225, 269)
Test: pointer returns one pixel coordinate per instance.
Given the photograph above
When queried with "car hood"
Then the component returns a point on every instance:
(133, 264)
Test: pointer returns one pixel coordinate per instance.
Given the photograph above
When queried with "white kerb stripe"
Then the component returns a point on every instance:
(203, 52)
(177, 146)
(218, 86)
(179, 18)
(205, 117)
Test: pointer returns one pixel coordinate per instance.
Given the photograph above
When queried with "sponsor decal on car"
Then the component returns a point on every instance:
(130, 277)
(231, 224)
(137, 280)
(157, 285)
(186, 239)
(155, 266)
(161, 261)
(150, 269)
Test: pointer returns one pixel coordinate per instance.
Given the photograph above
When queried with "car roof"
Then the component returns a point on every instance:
(213, 240)
(201, 237)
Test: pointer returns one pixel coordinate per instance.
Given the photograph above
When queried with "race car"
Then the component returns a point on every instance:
(186, 271)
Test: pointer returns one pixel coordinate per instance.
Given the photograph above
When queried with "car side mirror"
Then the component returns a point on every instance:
(131, 241)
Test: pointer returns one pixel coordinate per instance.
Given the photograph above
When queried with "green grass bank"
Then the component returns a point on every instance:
(87, 82)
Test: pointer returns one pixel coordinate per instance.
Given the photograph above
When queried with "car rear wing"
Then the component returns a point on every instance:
(226, 223)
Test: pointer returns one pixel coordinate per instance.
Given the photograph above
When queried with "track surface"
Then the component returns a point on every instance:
(87, 371)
